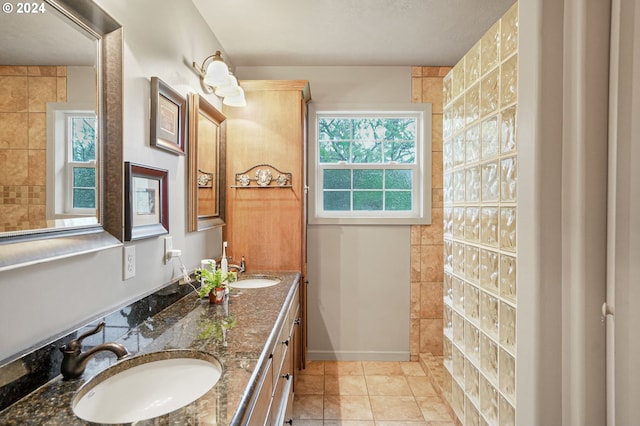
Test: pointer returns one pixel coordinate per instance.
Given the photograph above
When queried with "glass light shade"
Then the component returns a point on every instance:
(236, 101)
(217, 73)
(229, 88)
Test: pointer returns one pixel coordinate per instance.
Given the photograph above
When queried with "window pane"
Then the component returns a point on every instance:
(367, 152)
(336, 179)
(367, 179)
(337, 200)
(400, 152)
(368, 129)
(334, 129)
(334, 152)
(398, 200)
(398, 179)
(84, 177)
(367, 200)
(83, 138)
(400, 129)
(84, 198)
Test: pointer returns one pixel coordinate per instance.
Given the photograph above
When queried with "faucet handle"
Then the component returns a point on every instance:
(76, 345)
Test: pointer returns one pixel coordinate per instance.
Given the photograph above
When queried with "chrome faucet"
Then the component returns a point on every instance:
(239, 268)
(74, 361)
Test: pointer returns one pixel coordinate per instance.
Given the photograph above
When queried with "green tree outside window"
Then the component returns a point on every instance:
(82, 131)
(376, 144)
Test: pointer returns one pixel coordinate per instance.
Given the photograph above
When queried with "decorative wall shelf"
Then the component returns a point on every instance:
(263, 177)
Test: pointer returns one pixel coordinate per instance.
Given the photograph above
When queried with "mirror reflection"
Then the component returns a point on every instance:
(49, 126)
(206, 164)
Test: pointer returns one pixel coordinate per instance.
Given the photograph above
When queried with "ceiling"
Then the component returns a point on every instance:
(44, 39)
(349, 32)
(294, 32)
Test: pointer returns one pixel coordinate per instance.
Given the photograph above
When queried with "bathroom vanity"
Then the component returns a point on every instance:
(273, 399)
(253, 336)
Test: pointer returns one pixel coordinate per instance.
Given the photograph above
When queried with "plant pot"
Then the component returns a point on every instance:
(217, 295)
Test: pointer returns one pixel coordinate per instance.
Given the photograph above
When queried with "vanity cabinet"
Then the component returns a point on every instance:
(273, 401)
(284, 377)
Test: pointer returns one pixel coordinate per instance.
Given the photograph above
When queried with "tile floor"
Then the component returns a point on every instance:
(368, 393)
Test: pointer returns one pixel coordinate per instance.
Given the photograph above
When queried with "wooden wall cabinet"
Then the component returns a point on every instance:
(273, 401)
(267, 225)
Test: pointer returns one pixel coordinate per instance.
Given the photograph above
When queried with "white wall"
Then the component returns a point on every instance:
(359, 276)
(562, 122)
(81, 85)
(161, 38)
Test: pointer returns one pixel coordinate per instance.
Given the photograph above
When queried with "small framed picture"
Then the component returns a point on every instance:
(168, 118)
(146, 202)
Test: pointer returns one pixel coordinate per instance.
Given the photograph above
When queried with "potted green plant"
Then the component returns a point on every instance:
(213, 283)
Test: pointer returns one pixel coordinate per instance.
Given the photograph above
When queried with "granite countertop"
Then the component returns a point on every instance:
(242, 352)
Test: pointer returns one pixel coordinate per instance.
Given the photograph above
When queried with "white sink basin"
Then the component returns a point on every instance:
(256, 281)
(146, 386)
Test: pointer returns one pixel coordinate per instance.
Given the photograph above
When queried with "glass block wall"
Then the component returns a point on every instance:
(480, 205)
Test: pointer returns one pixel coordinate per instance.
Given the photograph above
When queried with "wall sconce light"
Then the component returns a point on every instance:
(215, 77)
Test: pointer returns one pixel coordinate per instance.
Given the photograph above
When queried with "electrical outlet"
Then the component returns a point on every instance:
(168, 246)
(129, 262)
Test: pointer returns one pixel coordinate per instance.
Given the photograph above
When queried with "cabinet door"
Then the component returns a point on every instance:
(268, 131)
(279, 354)
(284, 390)
(284, 380)
(293, 362)
(260, 415)
(298, 341)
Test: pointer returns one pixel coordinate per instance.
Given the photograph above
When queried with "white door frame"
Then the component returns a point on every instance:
(623, 294)
(584, 209)
(562, 187)
(614, 66)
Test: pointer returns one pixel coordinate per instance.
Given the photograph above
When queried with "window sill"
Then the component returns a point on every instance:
(425, 220)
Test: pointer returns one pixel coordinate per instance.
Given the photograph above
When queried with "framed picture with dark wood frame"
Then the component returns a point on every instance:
(168, 118)
(146, 202)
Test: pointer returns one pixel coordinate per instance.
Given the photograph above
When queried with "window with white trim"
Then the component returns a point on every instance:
(71, 160)
(80, 189)
(370, 165)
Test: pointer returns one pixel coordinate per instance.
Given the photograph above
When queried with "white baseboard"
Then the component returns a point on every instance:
(357, 356)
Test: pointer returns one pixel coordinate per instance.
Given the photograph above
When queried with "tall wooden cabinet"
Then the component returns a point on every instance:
(266, 218)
